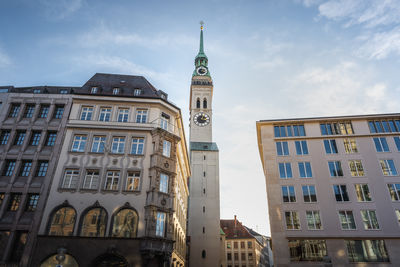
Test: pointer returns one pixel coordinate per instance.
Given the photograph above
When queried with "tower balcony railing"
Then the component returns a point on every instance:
(165, 125)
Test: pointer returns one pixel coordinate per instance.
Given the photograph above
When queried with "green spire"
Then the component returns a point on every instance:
(201, 49)
(201, 60)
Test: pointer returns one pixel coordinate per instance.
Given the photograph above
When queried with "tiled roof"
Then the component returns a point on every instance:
(234, 229)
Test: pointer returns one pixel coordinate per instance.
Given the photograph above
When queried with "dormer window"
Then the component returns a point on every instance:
(94, 90)
(137, 92)
(36, 91)
(116, 91)
(63, 91)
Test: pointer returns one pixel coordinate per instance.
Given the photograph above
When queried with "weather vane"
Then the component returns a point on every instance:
(201, 23)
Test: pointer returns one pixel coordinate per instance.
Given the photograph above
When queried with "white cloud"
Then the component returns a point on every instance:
(380, 45)
(60, 9)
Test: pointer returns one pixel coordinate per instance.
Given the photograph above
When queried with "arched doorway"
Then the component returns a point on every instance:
(110, 260)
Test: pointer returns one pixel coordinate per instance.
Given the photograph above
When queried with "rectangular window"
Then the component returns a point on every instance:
(35, 138)
(71, 177)
(78, 144)
(350, 146)
(163, 183)
(5, 135)
(105, 114)
(141, 116)
(367, 251)
(243, 256)
(313, 220)
(335, 168)
(137, 146)
(307, 250)
(29, 110)
(282, 148)
(123, 114)
(42, 168)
(289, 130)
(91, 179)
(160, 226)
(288, 193)
(394, 191)
(164, 121)
(301, 147)
(118, 145)
(340, 192)
(363, 194)
(32, 202)
(86, 113)
(305, 169)
(98, 144)
(58, 112)
(115, 91)
(235, 245)
(14, 110)
(397, 142)
(356, 168)
(44, 111)
(335, 128)
(19, 138)
(285, 170)
(309, 193)
(388, 167)
(292, 220)
(15, 202)
(137, 92)
(242, 244)
(229, 256)
(381, 144)
(112, 180)
(9, 168)
(94, 90)
(346, 219)
(26, 167)
(249, 245)
(330, 146)
(51, 138)
(369, 219)
(166, 148)
(63, 91)
(384, 126)
(132, 181)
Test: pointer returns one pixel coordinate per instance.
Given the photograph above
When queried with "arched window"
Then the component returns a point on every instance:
(198, 103)
(62, 222)
(51, 261)
(203, 254)
(94, 223)
(124, 223)
(205, 103)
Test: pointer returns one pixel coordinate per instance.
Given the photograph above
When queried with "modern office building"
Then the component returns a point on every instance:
(333, 189)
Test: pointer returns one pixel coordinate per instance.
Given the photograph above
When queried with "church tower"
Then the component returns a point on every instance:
(204, 225)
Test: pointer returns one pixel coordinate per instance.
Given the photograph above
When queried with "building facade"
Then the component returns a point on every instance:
(204, 230)
(333, 189)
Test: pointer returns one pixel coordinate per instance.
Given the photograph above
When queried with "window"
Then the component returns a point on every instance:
(305, 169)
(91, 179)
(105, 114)
(71, 177)
(243, 256)
(5, 135)
(340, 192)
(112, 180)
(166, 148)
(42, 168)
(15, 201)
(350, 146)
(356, 168)
(236, 256)
(309, 193)
(160, 226)
(98, 144)
(282, 148)
(164, 121)
(198, 103)
(94, 90)
(396, 211)
(137, 146)
(288, 193)
(51, 138)
(115, 91)
(78, 144)
(397, 142)
(285, 170)
(363, 194)
(118, 145)
(203, 254)
(384, 126)
(9, 168)
(235, 245)
(19, 138)
(132, 181)
(32, 202)
(137, 92)
(313, 220)
(301, 147)
(124, 224)
(330, 146)
(336, 128)
(44, 111)
(86, 113)
(141, 116)
(58, 112)
(394, 191)
(369, 219)
(367, 251)
(35, 138)
(63, 91)
(94, 223)
(307, 250)
(381, 145)
(346, 219)
(388, 167)
(229, 256)
(249, 245)
(205, 103)
(250, 256)
(14, 110)
(292, 220)
(26, 167)
(335, 168)
(289, 130)
(29, 110)
(242, 245)
(163, 183)
(62, 222)
(123, 114)
(36, 91)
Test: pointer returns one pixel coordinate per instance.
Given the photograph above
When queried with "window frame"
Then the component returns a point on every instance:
(350, 145)
(109, 184)
(344, 194)
(78, 145)
(86, 113)
(362, 196)
(330, 147)
(282, 148)
(294, 222)
(370, 223)
(301, 147)
(390, 171)
(349, 221)
(356, 168)
(118, 145)
(287, 170)
(305, 170)
(316, 220)
(289, 192)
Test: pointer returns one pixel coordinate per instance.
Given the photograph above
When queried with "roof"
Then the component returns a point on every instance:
(234, 229)
(203, 146)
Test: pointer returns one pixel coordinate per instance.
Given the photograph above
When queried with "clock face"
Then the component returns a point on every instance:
(201, 70)
(201, 119)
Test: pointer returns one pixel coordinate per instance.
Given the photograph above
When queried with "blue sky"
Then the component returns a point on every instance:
(268, 59)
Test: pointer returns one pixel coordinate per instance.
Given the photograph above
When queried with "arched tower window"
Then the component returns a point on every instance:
(62, 222)
(203, 254)
(205, 103)
(198, 103)
(125, 223)
(94, 222)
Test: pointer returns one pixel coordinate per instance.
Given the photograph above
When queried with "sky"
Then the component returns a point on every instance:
(269, 59)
